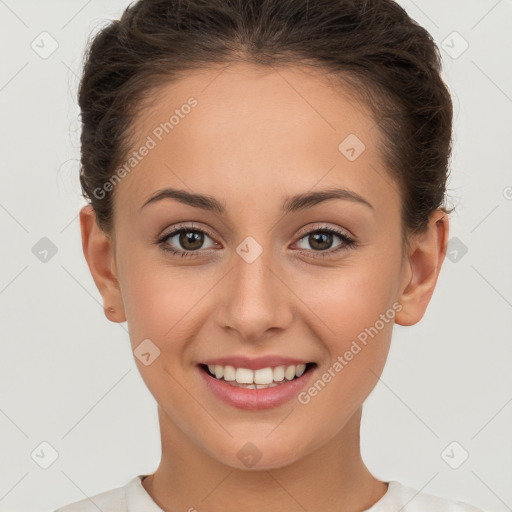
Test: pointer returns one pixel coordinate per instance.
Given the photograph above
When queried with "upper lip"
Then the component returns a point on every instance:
(255, 363)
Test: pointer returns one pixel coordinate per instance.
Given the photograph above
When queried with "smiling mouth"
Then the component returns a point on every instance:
(263, 378)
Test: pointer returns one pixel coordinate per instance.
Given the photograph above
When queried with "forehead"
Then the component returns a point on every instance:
(256, 129)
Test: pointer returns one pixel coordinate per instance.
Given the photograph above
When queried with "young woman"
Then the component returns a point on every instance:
(266, 181)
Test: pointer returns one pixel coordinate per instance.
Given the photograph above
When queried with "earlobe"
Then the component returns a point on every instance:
(424, 263)
(99, 254)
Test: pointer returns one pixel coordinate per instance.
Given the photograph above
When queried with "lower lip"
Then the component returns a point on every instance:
(255, 399)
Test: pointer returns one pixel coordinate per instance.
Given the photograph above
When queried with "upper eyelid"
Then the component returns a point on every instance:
(325, 227)
(183, 227)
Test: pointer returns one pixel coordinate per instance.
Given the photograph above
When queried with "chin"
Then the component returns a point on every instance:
(259, 454)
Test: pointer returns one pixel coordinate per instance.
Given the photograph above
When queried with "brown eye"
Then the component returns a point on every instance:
(191, 240)
(320, 240)
(186, 241)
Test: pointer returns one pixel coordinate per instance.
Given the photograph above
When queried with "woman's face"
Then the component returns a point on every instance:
(264, 276)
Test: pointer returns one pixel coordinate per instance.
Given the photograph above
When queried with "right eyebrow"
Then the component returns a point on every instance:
(202, 201)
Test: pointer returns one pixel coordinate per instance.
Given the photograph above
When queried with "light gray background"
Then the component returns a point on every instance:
(67, 375)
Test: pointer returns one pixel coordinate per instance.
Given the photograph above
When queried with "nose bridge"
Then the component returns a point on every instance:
(255, 299)
(252, 276)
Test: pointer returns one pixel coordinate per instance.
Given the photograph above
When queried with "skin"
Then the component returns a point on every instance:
(256, 137)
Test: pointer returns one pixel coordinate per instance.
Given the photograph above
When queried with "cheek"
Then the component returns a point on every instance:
(357, 342)
(356, 308)
(159, 299)
(349, 299)
(163, 305)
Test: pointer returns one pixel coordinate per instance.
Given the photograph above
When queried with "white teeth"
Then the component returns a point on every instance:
(244, 376)
(279, 373)
(301, 368)
(256, 379)
(290, 373)
(219, 371)
(229, 373)
(263, 376)
(253, 386)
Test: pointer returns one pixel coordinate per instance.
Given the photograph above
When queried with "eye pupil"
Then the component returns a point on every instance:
(194, 237)
(321, 238)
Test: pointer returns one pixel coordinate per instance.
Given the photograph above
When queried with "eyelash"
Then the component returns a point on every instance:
(347, 241)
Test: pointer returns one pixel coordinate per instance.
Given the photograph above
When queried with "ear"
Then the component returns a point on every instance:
(99, 253)
(421, 269)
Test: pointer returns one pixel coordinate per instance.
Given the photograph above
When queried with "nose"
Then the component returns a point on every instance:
(255, 301)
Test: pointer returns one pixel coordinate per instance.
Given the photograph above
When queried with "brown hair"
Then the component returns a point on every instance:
(390, 62)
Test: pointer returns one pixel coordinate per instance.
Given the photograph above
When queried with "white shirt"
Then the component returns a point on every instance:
(134, 498)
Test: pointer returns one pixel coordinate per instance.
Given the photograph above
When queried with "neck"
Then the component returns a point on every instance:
(332, 478)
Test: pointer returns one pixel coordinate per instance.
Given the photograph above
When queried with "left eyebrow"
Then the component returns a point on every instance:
(310, 199)
(291, 204)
